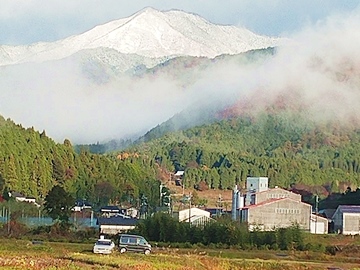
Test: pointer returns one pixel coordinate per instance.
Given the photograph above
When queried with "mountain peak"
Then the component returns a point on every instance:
(148, 33)
(148, 10)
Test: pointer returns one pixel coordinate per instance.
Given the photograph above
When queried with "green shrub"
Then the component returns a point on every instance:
(274, 246)
(187, 245)
(331, 250)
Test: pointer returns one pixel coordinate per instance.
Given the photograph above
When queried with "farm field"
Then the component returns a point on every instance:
(23, 254)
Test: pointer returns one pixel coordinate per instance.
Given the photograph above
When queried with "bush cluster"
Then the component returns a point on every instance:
(223, 233)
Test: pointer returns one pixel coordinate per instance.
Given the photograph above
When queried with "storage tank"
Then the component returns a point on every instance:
(240, 202)
(237, 203)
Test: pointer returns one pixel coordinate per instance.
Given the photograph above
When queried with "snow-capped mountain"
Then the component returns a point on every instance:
(148, 33)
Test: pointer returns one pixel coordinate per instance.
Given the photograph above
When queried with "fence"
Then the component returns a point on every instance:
(31, 222)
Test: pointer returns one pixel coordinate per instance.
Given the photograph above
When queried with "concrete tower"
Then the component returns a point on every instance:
(254, 185)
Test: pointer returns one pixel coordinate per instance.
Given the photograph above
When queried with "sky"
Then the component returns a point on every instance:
(24, 22)
(321, 68)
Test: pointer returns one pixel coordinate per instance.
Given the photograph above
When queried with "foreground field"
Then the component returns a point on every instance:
(21, 254)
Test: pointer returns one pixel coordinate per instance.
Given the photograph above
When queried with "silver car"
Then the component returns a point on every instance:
(103, 246)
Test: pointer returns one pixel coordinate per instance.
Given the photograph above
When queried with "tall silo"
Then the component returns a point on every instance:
(240, 201)
(234, 203)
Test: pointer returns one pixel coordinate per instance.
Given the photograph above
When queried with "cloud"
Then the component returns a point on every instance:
(59, 98)
(321, 68)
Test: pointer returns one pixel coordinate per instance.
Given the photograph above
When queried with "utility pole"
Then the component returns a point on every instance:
(161, 186)
(183, 185)
(316, 210)
(9, 220)
(190, 195)
(220, 205)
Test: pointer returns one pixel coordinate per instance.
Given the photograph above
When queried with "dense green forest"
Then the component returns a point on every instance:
(32, 163)
(285, 147)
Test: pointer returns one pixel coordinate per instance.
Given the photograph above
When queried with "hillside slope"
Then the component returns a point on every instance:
(286, 147)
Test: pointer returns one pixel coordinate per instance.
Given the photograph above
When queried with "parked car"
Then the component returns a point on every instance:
(103, 246)
(133, 243)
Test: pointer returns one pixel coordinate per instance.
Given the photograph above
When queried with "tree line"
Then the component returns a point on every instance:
(223, 232)
(31, 163)
(284, 147)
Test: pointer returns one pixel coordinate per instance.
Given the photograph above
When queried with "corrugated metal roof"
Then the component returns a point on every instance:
(274, 189)
(265, 202)
(327, 212)
(349, 208)
(110, 208)
(179, 173)
(118, 220)
(270, 201)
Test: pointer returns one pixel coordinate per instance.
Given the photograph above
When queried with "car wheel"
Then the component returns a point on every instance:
(122, 250)
(147, 252)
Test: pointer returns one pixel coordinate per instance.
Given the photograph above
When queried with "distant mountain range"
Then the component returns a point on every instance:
(150, 34)
(123, 78)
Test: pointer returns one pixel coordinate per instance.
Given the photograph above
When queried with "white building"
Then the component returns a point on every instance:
(185, 214)
(269, 208)
(116, 224)
(195, 216)
(347, 219)
(318, 224)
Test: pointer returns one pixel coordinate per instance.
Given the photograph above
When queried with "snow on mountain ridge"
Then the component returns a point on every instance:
(149, 33)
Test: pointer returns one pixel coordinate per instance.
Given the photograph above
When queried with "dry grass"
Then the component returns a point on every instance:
(19, 254)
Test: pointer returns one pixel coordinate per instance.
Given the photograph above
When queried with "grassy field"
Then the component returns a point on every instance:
(22, 254)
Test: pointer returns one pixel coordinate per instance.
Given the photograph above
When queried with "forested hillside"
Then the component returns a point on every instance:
(185, 71)
(286, 147)
(32, 163)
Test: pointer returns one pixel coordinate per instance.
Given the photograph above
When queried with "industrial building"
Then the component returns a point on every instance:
(347, 219)
(267, 208)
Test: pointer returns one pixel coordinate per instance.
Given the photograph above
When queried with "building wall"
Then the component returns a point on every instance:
(114, 229)
(346, 223)
(254, 185)
(282, 213)
(200, 221)
(184, 214)
(338, 221)
(276, 193)
(319, 225)
(257, 184)
(351, 223)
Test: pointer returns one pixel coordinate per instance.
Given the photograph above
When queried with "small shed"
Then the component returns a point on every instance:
(200, 221)
(81, 205)
(109, 211)
(116, 224)
(319, 224)
(194, 215)
(179, 174)
(347, 219)
(21, 198)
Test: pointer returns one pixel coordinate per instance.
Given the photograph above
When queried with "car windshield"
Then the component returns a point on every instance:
(103, 243)
(142, 241)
